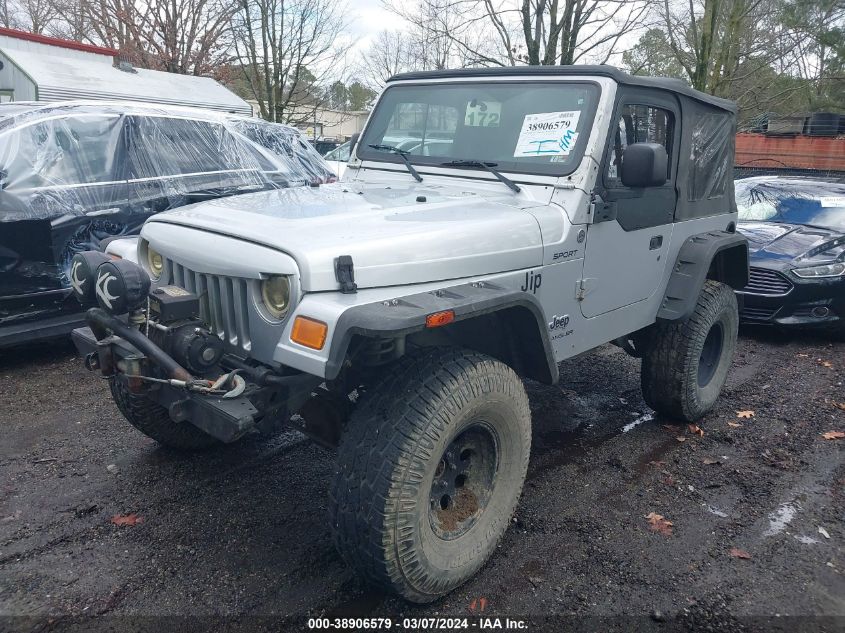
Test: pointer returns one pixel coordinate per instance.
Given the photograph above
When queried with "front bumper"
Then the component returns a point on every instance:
(260, 407)
(815, 303)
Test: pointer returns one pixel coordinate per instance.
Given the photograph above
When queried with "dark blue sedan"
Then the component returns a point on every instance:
(796, 238)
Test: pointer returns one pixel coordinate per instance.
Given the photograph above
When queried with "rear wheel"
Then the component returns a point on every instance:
(430, 469)
(153, 420)
(685, 363)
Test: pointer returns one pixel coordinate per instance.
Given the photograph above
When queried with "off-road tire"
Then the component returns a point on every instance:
(672, 359)
(395, 444)
(153, 420)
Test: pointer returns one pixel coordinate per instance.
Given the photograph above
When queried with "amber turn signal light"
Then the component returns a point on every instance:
(309, 332)
(440, 318)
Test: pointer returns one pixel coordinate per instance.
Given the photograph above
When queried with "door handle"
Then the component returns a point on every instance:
(655, 242)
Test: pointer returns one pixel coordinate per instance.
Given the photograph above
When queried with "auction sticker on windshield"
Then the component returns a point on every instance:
(832, 201)
(548, 134)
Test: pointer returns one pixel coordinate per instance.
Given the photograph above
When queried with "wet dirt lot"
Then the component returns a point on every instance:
(242, 531)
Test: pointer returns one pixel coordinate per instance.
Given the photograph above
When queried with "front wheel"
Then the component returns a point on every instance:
(430, 469)
(685, 364)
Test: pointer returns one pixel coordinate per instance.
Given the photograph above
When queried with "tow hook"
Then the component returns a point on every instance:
(229, 385)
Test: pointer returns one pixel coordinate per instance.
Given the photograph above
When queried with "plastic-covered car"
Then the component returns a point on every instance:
(338, 157)
(73, 175)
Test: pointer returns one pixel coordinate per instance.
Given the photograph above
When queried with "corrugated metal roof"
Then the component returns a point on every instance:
(55, 41)
(60, 78)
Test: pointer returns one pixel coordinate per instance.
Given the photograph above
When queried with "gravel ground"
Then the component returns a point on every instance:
(242, 532)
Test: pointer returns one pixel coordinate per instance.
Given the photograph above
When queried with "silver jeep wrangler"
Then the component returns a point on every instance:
(490, 224)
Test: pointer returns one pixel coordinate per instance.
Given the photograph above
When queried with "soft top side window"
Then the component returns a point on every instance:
(711, 150)
(639, 124)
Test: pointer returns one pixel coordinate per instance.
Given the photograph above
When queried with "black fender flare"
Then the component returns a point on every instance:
(407, 314)
(718, 255)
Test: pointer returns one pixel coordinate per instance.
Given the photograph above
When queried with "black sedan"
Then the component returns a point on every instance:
(796, 238)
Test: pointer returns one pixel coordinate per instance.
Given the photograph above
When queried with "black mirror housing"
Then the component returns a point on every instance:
(644, 165)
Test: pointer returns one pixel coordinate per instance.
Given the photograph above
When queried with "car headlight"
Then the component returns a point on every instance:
(275, 292)
(827, 270)
(155, 262)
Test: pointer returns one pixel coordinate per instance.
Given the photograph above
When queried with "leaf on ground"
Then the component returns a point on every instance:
(803, 355)
(127, 519)
(478, 605)
(658, 523)
(736, 425)
(839, 405)
(745, 415)
(826, 363)
(696, 430)
(681, 438)
(740, 553)
(711, 460)
(833, 435)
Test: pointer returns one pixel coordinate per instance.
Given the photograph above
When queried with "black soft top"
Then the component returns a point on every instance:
(620, 77)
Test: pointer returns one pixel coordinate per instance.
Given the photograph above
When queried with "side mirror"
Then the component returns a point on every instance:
(644, 165)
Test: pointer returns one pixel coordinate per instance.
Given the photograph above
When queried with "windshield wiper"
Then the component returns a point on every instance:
(488, 166)
(403, 154)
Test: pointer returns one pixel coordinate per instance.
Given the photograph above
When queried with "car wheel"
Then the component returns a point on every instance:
(685, 364)
(430, 469)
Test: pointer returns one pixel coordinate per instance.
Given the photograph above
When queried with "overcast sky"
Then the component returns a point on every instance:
(368, 19)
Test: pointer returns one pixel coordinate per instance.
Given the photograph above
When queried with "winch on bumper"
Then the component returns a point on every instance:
(156, 343)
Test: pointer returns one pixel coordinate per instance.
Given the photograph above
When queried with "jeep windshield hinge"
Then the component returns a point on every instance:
(344, 272)
(600, 210)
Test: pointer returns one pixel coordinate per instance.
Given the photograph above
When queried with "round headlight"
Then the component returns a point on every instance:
(155, 262)
(275, 291)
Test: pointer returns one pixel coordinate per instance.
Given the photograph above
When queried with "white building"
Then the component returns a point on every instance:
(325, 123)
(40, 68)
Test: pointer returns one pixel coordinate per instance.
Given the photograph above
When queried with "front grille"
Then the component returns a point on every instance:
(762, 281)
(224, 303)
(758, 314)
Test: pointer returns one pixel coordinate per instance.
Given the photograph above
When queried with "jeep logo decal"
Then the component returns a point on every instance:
(559, 321)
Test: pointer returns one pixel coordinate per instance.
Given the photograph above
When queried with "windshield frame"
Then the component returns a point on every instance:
(551, 170)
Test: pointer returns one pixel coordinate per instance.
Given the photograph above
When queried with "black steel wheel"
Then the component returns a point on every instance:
(430, 468)
(686, 363)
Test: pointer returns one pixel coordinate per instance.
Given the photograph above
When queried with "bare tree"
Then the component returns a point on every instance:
(720, 43)
(389, 54)
(511, 32)
(7, 14)
(418, 48)
(287, 50)
(35, 16)
(180, 36)
(814, 31)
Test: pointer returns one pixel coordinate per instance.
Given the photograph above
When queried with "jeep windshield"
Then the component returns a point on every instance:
(534, 127)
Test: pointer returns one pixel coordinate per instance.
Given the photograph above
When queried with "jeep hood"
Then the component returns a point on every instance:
(395, 235)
